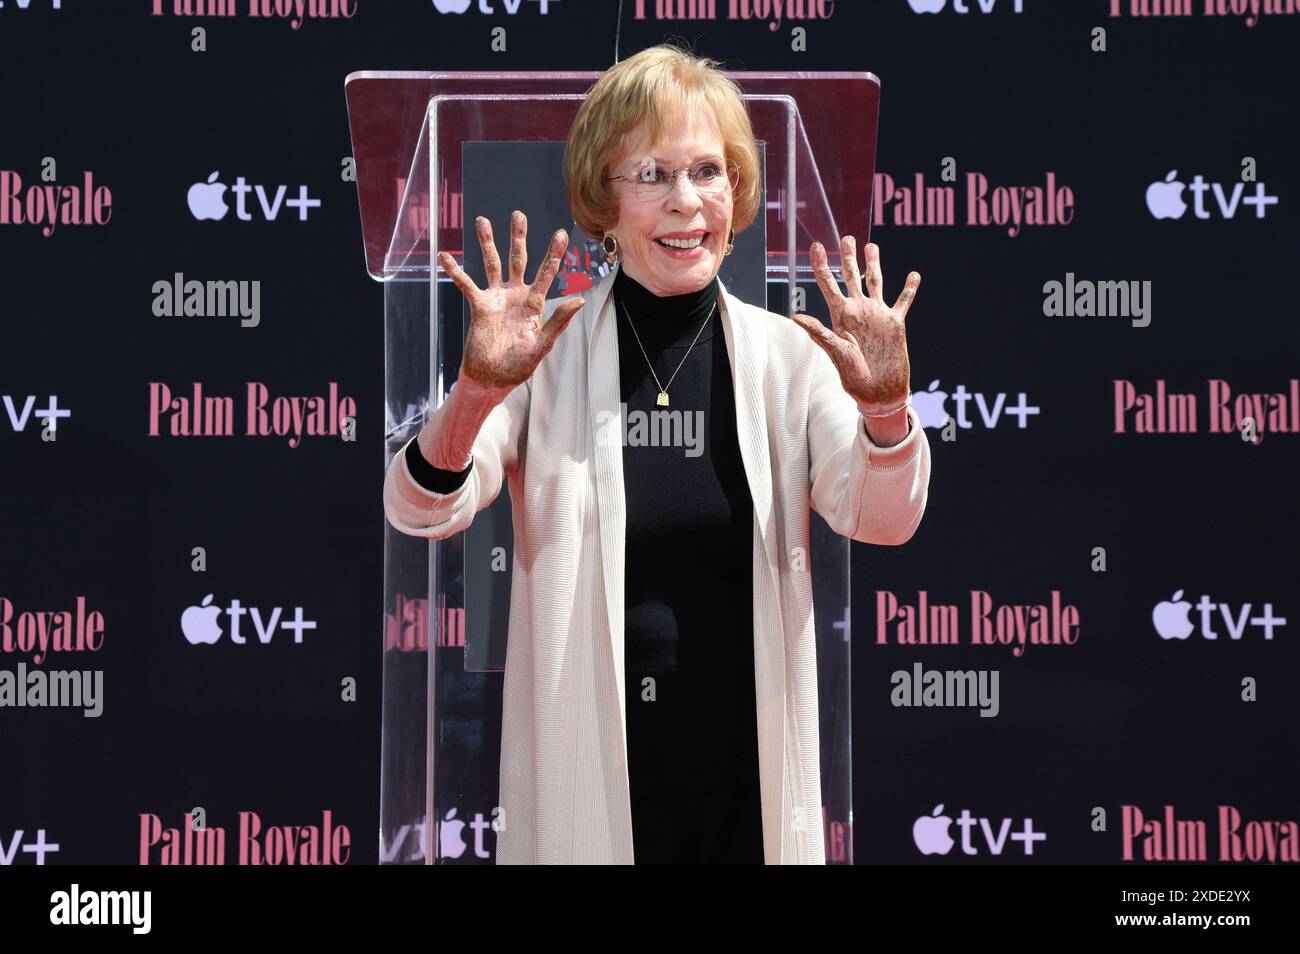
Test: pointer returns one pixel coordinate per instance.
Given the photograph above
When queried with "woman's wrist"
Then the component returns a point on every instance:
(886, 430)
(887, 409)
(447, 440)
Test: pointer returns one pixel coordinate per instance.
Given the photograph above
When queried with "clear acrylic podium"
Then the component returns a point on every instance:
(432, 151)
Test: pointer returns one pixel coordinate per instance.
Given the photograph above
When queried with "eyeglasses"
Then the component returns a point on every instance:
(708, 176)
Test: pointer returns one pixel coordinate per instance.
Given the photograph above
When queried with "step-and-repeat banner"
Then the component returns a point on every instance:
(1087, 652)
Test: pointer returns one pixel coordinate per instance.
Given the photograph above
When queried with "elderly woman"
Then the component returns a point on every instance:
(660, 697)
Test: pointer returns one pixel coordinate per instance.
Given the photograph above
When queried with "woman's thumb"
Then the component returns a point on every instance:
(560, 320)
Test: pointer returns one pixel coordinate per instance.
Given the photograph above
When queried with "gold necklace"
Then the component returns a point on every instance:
(662, 399)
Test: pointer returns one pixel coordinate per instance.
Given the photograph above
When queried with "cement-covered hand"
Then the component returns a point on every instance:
(507, 339)
(867, 340)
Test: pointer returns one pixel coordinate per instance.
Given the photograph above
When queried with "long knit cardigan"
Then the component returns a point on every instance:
(557, 440)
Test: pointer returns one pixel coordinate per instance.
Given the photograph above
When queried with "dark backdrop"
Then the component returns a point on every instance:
(110, 514)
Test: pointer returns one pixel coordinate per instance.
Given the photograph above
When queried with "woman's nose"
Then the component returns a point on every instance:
(683, 193)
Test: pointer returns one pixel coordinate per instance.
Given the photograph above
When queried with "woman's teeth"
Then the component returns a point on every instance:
(681, 243)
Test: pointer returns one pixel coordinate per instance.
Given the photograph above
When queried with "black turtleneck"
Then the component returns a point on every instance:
(692, 730)
(656, 312)
(693, 750)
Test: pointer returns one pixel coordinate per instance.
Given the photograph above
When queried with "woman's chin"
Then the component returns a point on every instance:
(691, 276)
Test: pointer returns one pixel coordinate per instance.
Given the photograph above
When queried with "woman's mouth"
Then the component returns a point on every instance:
(683, 248)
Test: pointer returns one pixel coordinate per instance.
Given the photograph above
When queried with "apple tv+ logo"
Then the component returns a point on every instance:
(408, 842)
(207, 200)
(959, 6)
(931, 834)
(201, 624)
(511, 6)
(931, 410)
(39, 847)
(1165, 199)
(1171, 618)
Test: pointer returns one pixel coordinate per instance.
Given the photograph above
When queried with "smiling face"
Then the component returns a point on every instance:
(683, 213)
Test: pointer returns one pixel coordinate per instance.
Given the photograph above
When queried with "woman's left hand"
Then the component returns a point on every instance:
(867, 340)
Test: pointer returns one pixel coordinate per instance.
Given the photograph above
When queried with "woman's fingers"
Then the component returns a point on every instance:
(909, 292)
(849, 262)
(518, 246)
(875, 280)
(546, 274)
(822, 271)
(826, 282)
(458, 276)
(491, 261)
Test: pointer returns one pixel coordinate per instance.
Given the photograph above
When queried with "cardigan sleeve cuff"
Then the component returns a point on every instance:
(433, 479)
(897, 455)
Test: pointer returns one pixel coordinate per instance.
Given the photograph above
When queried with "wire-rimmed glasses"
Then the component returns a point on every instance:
(709, 176)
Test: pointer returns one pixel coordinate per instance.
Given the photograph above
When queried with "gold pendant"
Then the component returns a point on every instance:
(662, 400)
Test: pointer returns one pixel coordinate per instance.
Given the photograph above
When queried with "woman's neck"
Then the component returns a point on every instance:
(647, 308)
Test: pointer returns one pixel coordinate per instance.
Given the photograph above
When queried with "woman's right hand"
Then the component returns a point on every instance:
(507, 340)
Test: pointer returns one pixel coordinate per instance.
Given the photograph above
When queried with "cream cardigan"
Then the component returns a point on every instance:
(564, 780)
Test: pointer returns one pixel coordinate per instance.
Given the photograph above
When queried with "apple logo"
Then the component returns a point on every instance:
(451, 6)
(1170, 618)
(929, 407)
(1165, 199)
(930, 832)
(926, 6)
(205, 199)
(450, 842)
(199, 623)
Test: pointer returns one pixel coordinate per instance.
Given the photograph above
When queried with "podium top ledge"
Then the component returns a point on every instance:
(593, 74)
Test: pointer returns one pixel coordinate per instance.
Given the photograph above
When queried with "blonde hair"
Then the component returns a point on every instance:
(649, 88)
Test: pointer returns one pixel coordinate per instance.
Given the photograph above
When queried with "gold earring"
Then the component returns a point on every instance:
(610, 253)
(731, 242)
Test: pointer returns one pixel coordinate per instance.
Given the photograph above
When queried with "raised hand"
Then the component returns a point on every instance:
(867, 340)
(507, 339)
